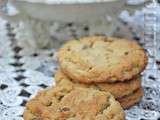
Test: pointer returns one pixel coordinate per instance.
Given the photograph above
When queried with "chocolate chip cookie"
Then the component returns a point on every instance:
(66, 103)
(102, 59)
(132, 99)
(117, 89)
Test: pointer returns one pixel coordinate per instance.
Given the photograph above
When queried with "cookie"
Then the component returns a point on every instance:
(118, 89)
(130, 100)
(102, 59)
(61, 103)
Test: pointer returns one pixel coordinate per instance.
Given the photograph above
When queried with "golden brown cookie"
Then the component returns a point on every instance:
(61, 103)
(130, 100)
(118, 89)
(102, 59)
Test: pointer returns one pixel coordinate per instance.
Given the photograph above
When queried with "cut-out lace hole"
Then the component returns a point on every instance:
(24, 93)
(24, 85)
(51, 54)
(24, 103)
(35, 54)
(17, 64)
(157, 62)
(86, 28)
(17, 49)
(152, 77)
(43, 86)
(20, 70)
(17, 57)
(20, 77)
(3, 86)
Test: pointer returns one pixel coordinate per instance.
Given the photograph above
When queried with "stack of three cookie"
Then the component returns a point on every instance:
(90, 69)
(108, 64)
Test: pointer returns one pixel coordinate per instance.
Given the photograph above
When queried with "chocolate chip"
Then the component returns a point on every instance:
(126, 53)
(49, 104)
(60, 97)
(91, 45)
(65, 109)
(68, 49)
(90, 68)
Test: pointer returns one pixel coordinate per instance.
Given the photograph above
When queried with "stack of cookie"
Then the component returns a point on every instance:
(108, 64)
(93, 72)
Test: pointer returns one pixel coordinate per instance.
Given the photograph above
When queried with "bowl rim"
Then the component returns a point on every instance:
(58, 2)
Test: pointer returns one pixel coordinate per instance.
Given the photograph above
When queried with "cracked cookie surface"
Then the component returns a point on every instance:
(117, 89)
(67, 103)
(102, 59)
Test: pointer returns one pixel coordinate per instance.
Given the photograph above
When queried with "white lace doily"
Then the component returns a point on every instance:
(24, 71)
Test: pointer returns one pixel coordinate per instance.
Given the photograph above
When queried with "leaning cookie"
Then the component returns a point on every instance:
(118, 89)
(102, 59)
(61, 103)
(130, 100)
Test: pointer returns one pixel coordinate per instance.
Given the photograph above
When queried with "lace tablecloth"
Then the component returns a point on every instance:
(24, 71)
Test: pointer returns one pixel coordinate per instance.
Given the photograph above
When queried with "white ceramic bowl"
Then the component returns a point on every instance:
(36, 14)
(69, 10)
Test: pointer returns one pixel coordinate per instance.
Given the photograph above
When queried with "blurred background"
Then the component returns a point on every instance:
(49, 23)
